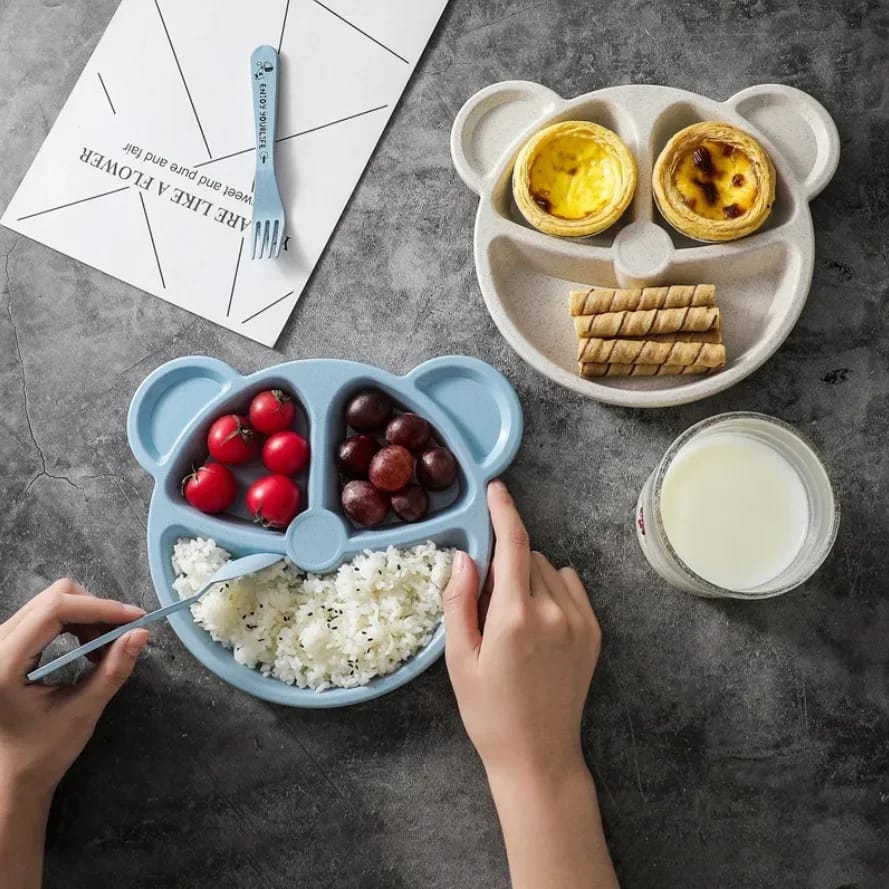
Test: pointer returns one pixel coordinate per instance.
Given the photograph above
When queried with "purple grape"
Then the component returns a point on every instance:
(354, 455)
(369, 411)
(409, 431)
(410, 504)
(436, 469)
(364, 503)
(391, 468)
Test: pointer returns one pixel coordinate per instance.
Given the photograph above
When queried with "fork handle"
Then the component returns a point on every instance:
(111, 635)
(264, 71)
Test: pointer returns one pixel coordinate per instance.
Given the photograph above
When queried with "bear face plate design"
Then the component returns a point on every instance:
(471, 406)
(525, 276)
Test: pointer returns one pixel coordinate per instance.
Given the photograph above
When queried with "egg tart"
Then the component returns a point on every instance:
(714, 182)
(573, 179)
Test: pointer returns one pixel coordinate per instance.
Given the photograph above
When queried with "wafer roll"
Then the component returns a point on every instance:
(595, 371)
(705, 336)
(597, 300)
(599, 351)
(627, 325)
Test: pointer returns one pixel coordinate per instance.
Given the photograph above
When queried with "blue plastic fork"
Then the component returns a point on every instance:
(268, 211)
(229, 571)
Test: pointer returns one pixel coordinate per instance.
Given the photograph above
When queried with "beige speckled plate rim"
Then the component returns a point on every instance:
(535, 107)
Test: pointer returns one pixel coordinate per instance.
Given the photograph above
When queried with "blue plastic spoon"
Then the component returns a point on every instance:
(229, 571)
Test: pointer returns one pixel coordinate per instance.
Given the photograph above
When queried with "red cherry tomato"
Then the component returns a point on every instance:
(210, 488)
(273, 501)
(232, 440)
(272, 411)
(285, 452)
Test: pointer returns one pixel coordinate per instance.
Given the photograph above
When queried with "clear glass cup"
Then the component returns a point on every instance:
(823, 508)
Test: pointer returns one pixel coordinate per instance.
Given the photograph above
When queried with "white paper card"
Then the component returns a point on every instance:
(148, 171)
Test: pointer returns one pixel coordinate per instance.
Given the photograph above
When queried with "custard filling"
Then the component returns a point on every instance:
(716, 180)
(573, 177)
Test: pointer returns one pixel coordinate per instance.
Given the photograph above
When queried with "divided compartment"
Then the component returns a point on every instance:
(481, 405)
(164, 407)
(754, 291)
(600, 111)
(798, 126)
(192, 452)
(684, 113)
(220, 660)
(337, 432)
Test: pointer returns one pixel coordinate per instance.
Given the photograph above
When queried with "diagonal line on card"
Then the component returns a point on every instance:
(283, 25)
(72, 203)
(332, 123)
(105, 90)
(322, 126)
(269, 306)
(184, 83)
(231, 295)
(364, 33)
(153, 245)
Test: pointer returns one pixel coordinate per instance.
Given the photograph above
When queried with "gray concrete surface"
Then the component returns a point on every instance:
(735, 746)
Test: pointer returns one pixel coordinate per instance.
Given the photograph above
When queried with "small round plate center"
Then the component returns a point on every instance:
(316, 540)
(642, 251)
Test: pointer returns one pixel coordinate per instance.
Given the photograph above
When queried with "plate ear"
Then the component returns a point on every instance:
(798, 126)
(480, 403)
(167, 401)
(489, 121)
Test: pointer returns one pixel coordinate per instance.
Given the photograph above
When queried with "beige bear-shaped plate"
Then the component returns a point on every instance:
(762, 281)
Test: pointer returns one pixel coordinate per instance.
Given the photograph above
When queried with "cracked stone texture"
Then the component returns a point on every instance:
(735, 746)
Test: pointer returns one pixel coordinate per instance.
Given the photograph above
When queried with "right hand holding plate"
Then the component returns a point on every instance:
(520, 659)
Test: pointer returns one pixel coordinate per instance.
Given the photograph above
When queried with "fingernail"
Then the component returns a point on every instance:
(498, 485)
(459, 565)
(135, 610)
(135, 642)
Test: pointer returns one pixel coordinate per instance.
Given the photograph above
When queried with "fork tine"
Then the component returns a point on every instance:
(268, 238)
(275, 246)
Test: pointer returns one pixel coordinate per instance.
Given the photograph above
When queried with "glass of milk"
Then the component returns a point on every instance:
(740, 506)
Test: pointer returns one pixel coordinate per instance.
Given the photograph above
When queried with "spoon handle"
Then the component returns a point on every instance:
(111, 635)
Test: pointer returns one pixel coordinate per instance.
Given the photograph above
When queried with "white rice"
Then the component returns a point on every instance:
(337, 630)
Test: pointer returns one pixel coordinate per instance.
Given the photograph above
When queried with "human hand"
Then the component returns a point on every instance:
(521, 673)
(43, 728)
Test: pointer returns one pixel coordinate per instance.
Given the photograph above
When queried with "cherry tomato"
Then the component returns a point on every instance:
(272, 411)
(232, 440)
(210, 488)
(273, 501)
(285, 452)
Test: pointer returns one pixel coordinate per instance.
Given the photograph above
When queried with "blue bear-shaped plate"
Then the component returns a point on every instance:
(471, 406)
